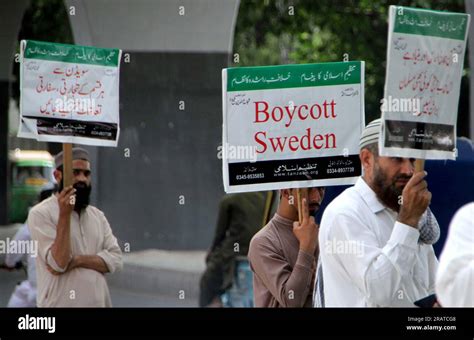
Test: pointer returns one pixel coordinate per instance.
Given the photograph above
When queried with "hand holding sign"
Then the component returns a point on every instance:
(64, 201)
(415, 200)
(307, 231)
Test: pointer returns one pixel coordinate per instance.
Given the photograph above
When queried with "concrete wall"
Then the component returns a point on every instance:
(173, 152)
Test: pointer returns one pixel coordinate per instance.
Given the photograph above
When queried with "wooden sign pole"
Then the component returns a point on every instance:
(67, 164)
(419, 165)
(300, 194)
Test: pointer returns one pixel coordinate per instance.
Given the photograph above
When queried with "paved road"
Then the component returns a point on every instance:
(120, 297)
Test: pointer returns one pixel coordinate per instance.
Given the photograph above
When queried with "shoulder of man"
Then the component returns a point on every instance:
(43, 208)
(348, 203)
(264, 237)
(348, 200)
(96, 212)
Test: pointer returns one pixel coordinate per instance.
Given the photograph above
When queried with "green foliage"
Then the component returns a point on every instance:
(321, 31)
(44, 20)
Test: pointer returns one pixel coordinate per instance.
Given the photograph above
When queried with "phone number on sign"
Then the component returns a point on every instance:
(339, 170)
(250, 176)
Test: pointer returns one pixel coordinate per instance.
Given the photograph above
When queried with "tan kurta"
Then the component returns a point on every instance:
(283, 274)
(90, 235)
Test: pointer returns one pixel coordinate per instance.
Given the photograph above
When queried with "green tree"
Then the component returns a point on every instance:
(44, 20)
(321, 31)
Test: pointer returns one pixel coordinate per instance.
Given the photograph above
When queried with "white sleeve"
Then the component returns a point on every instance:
(377, 272)
(43, 231)
(111, 252)
(455, 276)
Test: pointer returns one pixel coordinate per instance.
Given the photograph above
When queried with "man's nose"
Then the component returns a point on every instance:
(314, 195)
(407, 167)
(80, 177)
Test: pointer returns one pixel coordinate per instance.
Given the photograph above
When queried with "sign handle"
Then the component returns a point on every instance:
(67, 164)
(419, 165)
(300, 194)
(268, 205)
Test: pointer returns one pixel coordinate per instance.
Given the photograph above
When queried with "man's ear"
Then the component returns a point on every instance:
(289, 195)
(58, 175)
(366, 159)
(285, 193)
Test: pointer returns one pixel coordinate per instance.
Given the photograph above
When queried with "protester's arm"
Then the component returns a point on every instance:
(377, 271)
(231, 231)
(222, 225)
(219, 259)
(111, 253)
(108, 260)
(94, 262)
(60, 253)
(43, 232)
(455, 277)
(220, 256)
(289, 286)
(458, 291)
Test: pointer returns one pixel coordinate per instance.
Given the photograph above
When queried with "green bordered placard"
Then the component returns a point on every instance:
(71, 53)
(293, 76)
(430, 23)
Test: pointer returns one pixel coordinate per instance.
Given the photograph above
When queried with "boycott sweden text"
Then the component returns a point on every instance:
(286, 114)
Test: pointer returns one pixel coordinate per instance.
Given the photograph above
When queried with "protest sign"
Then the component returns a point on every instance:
(425, 58)
(69, 93)
(292, 126)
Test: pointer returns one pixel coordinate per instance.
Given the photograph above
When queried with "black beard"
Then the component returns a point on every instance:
(83, 192)
(386, 192)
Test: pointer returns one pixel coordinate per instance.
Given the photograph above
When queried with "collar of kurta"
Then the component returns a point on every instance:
(369, 196)
(282, 220)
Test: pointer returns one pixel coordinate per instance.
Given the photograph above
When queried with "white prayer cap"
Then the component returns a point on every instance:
(370, 134)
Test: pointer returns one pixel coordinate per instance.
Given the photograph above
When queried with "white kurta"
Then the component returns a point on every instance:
(368, 258)
(455, 277)
(90, 235)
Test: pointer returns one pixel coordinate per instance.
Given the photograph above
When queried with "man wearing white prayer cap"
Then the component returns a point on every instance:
(376, 237)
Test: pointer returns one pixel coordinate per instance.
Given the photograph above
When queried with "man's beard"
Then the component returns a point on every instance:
(83, 192)
(386, 191)
(313, 209)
